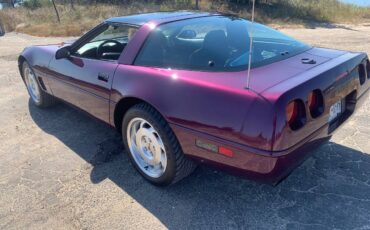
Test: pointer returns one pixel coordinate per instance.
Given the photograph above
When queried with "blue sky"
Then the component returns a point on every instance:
(358, 2)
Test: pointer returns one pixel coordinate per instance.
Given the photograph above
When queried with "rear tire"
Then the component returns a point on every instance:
(38, 96)
(153, 147)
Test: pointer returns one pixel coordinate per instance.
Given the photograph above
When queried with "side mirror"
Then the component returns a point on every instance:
(63, 52)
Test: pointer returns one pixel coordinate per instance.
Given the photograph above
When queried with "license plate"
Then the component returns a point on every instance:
(335, 111)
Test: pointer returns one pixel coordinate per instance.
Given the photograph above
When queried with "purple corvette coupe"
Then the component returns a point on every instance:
(175, 86)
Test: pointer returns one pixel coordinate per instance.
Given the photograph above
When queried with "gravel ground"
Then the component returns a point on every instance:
(60, 169)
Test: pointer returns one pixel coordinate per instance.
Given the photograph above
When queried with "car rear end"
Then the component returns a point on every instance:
(312, 105)
(303, 110)
(325, 96)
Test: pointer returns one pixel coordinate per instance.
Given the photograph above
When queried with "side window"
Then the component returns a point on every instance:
(199, 31)
(108, 45)
(216, 43)
(196, 44)
(154, 50)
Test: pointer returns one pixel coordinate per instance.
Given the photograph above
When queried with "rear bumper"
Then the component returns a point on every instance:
(256, 164)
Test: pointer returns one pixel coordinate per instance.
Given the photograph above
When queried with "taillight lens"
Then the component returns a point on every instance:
(291, 111)
(362, 73)
(296, 114)
(312, 100)
(225, 151)
(316, 103)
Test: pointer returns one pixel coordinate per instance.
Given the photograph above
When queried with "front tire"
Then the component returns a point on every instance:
(152, 146)
(38, 96)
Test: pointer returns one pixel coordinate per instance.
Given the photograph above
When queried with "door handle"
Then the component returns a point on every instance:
(103, 77)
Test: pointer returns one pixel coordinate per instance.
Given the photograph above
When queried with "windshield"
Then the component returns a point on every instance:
(216, 43)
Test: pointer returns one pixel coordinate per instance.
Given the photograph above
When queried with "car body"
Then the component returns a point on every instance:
(18, 3)
(262, 130)
(4, 5)
(11, 4)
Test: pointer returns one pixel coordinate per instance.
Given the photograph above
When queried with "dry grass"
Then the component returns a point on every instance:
(283, 12)
(43, 22)
(315, 11)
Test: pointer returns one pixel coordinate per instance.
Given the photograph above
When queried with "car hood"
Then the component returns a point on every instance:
(69, 42)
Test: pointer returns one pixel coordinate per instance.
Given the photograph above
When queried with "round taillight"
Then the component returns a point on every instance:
(312, 100)
(316, 103)
(296, 114)
(291, 111)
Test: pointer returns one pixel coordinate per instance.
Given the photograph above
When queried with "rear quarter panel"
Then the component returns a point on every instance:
(194, 103)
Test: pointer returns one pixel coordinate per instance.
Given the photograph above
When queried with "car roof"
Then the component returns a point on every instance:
(141, 19)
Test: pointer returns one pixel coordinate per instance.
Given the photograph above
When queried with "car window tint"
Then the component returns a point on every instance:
(108, 45)
(217, 43)
(200, 30)
(116, 32)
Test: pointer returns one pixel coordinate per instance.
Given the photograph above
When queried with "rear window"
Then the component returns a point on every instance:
(216, 43)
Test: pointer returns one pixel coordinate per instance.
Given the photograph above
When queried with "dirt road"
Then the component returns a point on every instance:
(60, 169)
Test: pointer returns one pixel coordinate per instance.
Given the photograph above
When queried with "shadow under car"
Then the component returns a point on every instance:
(330, 190)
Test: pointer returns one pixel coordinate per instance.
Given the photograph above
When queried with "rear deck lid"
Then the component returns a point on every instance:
(265, 77)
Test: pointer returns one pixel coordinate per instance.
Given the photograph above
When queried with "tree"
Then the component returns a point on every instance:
(72, 5)
(11, 2)
(56, 10)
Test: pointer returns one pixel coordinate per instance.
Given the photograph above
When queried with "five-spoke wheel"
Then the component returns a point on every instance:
(38, 96)
(32, 85)
(153, 147)
(146, 147)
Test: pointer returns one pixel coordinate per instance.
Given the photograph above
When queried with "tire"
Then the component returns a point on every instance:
(176, 166)
(38, 96)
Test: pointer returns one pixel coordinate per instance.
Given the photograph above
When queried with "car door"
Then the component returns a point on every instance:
(84, 79)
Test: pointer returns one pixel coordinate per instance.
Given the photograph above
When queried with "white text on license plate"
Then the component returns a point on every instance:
(335, 111)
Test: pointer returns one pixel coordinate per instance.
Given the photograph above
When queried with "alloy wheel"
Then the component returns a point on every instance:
(146, 147)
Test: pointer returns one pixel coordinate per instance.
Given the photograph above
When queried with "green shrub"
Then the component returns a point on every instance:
(32, 4)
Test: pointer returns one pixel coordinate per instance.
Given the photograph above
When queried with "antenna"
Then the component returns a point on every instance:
(250, 45)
